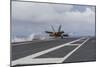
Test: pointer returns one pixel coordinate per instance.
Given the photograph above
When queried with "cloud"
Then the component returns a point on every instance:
(39, 13)
(87, 16)
(29, 10)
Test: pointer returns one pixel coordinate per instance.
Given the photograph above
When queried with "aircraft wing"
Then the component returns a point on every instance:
(48, 32)
(66, 35)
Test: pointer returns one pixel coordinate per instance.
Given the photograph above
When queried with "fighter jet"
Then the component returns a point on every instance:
(56, 34)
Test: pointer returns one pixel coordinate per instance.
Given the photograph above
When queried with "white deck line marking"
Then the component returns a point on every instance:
(42, 52)
(73, 44)
(40, 61)
(74, 50)
(31, 42)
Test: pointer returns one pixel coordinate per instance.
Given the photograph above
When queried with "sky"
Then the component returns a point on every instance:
(35, 18)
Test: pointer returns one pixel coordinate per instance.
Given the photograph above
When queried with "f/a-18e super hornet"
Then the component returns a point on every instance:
(56, 34)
